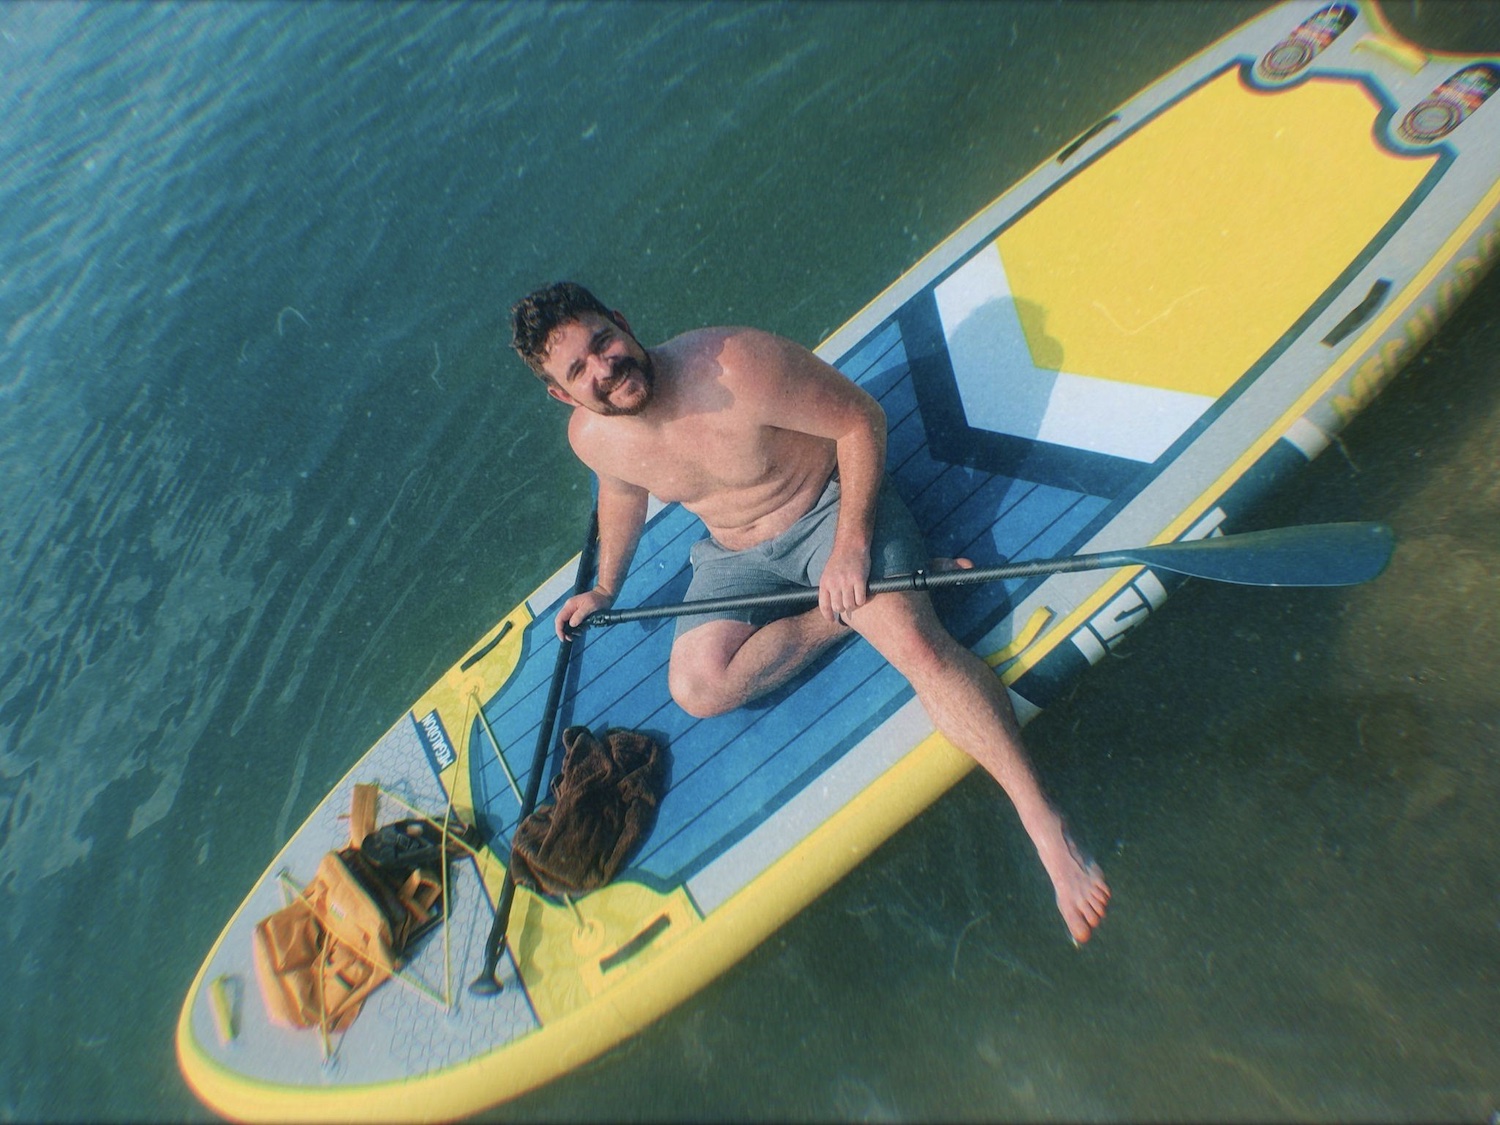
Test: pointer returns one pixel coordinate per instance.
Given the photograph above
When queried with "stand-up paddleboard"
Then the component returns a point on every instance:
(1129, 347)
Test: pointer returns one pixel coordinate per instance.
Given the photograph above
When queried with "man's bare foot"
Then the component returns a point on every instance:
(1082, 893)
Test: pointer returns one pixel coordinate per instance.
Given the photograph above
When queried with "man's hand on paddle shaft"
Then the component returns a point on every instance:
(622, 514)
(579, 606)
(844, 583)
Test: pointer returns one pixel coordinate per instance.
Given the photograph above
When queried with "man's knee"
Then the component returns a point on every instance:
(906, 633)
(698, 671)
(700, 695)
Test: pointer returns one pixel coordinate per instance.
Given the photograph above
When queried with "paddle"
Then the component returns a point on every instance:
(1324, 554)
(487, 984)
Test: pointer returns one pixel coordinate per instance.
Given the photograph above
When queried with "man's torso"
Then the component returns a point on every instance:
(710, 446)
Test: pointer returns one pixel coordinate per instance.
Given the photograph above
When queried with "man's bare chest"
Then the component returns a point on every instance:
(689, 462)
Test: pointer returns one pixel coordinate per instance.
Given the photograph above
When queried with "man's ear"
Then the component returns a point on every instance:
(619, 318)
(561, 395)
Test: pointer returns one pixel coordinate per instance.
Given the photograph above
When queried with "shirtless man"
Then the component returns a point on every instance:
(773, 449)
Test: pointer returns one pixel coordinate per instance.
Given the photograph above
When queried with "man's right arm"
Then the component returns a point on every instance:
(622, 515)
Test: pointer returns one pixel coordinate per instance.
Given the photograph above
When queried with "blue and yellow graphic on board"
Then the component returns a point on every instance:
(1098, 328)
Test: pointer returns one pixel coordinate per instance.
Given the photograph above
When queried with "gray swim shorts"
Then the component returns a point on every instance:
(796, 558)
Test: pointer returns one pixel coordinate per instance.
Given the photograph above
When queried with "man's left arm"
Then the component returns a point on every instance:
(811, 396)
(843, 585)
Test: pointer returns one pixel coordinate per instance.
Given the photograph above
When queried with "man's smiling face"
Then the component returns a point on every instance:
(596, 364)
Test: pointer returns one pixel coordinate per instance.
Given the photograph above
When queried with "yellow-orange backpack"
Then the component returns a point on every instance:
(318, 958)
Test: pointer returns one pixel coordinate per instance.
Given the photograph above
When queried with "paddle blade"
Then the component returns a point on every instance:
(1325, 554)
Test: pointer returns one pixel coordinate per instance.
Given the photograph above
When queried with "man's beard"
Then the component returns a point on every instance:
(618, 376)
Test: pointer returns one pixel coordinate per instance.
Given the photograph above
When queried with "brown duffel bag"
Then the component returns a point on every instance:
(604, 802)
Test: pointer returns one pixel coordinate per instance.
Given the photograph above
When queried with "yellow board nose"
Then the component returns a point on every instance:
(1185, 291)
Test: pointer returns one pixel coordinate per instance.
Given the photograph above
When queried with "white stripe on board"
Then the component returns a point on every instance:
(1004, 391)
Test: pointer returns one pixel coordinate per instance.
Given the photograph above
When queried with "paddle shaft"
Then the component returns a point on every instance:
(486, 984)
(1334, 554)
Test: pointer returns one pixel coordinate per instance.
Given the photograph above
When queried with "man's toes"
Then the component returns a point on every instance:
(940, 565)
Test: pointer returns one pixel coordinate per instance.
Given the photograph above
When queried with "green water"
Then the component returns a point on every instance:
(268, 470)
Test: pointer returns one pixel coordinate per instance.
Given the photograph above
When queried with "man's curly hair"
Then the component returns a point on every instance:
(535, 315)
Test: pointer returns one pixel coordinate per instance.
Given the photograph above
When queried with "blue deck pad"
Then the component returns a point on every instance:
(730, 773)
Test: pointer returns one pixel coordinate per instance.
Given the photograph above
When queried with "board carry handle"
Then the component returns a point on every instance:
(1323, 554)
(1086, 136)
(1359, 313)
(487, 983)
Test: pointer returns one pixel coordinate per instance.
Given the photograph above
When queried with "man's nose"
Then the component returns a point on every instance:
(601, 367)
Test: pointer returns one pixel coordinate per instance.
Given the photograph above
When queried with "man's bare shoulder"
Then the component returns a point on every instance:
(713, 343)
(582, 436)
(737, 354)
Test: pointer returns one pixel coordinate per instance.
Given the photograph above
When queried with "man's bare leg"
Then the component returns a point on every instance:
(722, 665)
(969, 704)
